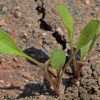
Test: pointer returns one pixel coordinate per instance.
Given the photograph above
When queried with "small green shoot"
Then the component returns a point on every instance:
(86, 40)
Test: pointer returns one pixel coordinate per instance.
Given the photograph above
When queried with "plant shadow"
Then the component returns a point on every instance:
(68, 82)
(37, 54)
(36, 89)
(32, 89)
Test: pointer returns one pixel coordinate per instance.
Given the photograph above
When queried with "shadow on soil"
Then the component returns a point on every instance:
(37, 54)
(42, 11)
(60, 39)
(68, 82)
(35, 90)
(32, 89)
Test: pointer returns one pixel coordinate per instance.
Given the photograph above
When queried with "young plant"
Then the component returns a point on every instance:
(86, 40)
(54, 68)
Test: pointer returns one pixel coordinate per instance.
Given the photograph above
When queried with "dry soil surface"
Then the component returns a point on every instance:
(33, 24)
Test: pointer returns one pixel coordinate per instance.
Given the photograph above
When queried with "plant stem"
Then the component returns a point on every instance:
(63, 70)
(74, 58)
(79, 68)
(32, 59)
(51, 81)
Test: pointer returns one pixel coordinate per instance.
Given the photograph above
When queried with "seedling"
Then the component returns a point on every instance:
(54, 68)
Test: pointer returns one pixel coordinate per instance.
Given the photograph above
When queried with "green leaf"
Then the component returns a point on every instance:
(88, 33)
(67, 20)
(98, 31)
(92, 43)
(57, 59)
(86, 49)
(8, 46)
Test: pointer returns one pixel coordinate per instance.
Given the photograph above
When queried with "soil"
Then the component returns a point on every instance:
(33, 24)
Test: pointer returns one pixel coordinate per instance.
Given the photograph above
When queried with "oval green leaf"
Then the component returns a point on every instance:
(57, 59)
(87, 48)
(67, 20)
(88, 33)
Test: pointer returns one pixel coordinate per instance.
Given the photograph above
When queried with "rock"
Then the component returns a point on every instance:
(98, 81)
(17, 14)
(83, 82)
(22, 87)
(87, 2)
(69, 70)
(97, 69)
(47, 49)
(95, 74)
(97, 2)
(59, 30)
(3, 8)
(7, 29)
(2, 22)
(95, 8)
(44, 34)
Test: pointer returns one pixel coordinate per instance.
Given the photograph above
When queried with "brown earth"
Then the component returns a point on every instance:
(32, 24)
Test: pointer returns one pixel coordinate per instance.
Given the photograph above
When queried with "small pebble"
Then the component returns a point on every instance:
(95, 74)
(17, 8)
(2, 22)
(97, 2)
(60, 30)
(1, 81)
(78, 83)
(47, 49)
(7, 29)
(24, 40)
(69, 70)
(87, 2)
(3, 8)
(97, 69)
(22, 87)
(44, 34)
(25, 34)
(17, 14)
(99, 81)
